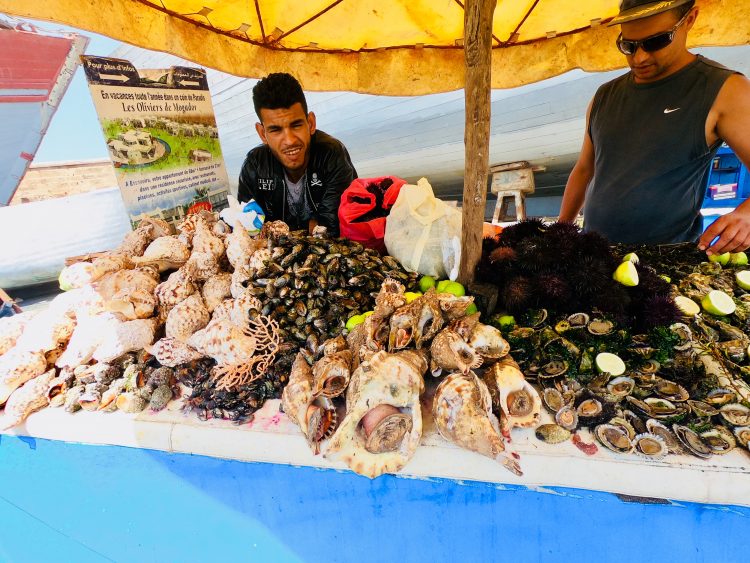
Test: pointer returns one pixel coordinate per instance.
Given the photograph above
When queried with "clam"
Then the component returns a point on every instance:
(670, 440)
(720, 396)
(743, 435)
(621, 386)
(650, 445)
(553, 368)
(702, 409)
(735, 414)
(614, 438)
(578, 320)
(671, 390)
(719, 439)
(552, 433)
(692, 441)
(553, 399)
(567, 417)
(601, 327)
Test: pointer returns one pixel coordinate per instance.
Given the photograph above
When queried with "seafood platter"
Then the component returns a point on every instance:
(629, 351)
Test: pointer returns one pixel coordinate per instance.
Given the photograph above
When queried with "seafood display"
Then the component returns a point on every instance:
(380, 369)
(653, 362)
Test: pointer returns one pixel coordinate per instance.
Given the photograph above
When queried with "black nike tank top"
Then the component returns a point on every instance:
(651, 156)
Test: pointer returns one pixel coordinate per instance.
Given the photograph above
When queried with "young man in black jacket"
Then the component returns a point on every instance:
(299, 173)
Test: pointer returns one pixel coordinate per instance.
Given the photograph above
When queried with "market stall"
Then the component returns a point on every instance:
(593, 374)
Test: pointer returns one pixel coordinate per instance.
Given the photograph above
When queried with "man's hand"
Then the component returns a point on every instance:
(733, 230)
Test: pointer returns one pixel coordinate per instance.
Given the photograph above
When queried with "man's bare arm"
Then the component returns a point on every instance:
(731, 111)
(580, 176)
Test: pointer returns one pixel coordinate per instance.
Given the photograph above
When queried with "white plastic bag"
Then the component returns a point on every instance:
(248, 214)
(424, 233)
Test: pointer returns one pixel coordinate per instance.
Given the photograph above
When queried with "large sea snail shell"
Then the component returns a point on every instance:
(384, 428)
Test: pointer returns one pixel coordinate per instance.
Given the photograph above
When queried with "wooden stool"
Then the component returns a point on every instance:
(511, 183)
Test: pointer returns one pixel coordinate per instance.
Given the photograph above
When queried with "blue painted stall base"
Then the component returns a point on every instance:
(69, 502)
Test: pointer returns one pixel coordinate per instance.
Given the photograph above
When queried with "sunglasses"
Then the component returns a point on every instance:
(649, 44)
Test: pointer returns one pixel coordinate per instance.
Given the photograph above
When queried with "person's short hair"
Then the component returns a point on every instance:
(276, 91)
(684, 9)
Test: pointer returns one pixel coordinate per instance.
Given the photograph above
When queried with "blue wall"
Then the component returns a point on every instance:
(65, 502)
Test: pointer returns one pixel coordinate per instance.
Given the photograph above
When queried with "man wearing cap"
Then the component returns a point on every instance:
(652, 133)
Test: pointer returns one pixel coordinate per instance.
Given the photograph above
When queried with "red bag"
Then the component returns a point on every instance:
(365, 198)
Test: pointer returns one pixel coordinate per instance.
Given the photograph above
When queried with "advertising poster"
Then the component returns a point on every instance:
(162, 138)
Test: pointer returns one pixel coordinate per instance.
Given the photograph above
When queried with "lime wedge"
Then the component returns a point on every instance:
(610, 363)
(743, 279)
(718, 303)
(687, 306)
(631, 257)
(722, 259)
(626, 274)
(738, 259)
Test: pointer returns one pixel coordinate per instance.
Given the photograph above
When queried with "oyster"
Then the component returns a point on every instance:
(650, 445)
(719, 397)
(489, 342)
(462, 409)
(552, 433)
(670, 440)
(600, 327)
(316, 418)
(743, 435)
(614, 438)
(578, 320)
(30, 397)
(735, 414)
(621, 386)
(701, 409)
(719, 439)
(450, 352)
(671, 391)
(692, 442)
(373, 439)
(517, 402)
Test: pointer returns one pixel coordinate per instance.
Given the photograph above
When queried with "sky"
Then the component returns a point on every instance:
(74, 132)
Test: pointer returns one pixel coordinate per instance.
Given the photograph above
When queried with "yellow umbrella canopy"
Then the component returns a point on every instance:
(392, 47)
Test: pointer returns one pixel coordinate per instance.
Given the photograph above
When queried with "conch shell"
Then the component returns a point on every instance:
(167, 253)
(462, 409)
(83, 273)
(429, 319)
(512, 396)
(129, 293)
(383, 422)
(240, 246)
(123, 337)
(489, 342)
(451, 352)
(225, 342)
(331, 374)
(171, 352)
(216, 289)
(17, 367)
(454, 307)
(316, 417)
(11, 328)
(187, 317)
(178, 287)
(30, 397)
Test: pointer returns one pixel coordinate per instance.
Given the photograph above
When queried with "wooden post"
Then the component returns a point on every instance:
(478, 56)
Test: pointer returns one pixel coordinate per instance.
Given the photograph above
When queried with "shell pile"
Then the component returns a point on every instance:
(378, 373)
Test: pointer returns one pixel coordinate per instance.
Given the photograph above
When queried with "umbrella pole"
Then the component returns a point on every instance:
(478, 57)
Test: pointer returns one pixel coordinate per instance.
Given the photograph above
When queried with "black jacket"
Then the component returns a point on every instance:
(329, 173)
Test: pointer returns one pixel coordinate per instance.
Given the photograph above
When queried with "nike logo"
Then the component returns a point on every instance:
(667, 110)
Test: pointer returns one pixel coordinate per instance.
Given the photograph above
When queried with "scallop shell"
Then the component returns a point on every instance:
(735, 414)
(386, 379)
(462, 409)
(719, 439)
(692, 442)
(674, 446)
(743, 435)
(614, 438)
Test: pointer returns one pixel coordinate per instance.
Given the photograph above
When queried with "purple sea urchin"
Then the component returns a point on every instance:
(517, 293)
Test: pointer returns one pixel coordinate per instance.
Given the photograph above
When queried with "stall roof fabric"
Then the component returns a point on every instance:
(394, 47)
